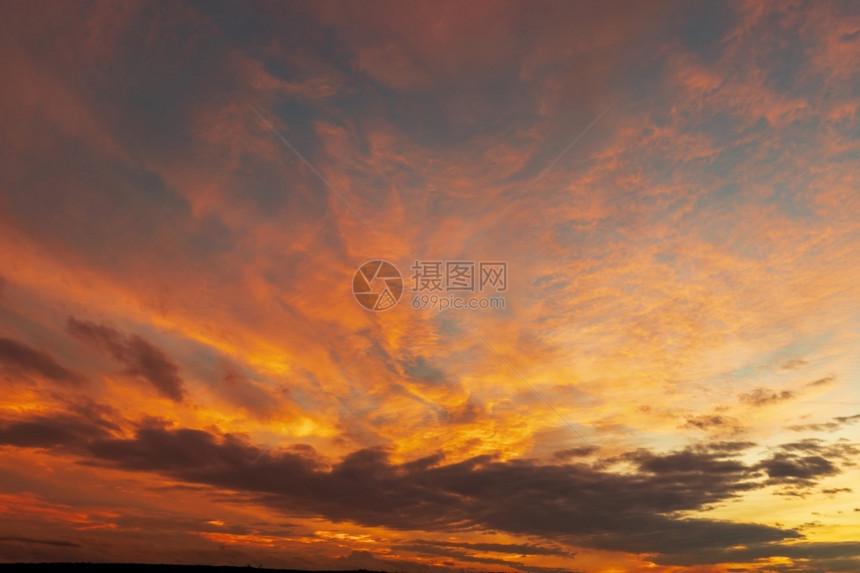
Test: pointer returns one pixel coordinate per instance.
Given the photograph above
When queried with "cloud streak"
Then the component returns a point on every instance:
(21, 360)
(140, 357)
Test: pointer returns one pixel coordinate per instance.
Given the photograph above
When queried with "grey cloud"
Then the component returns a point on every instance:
(831, 426)
(835, 490)
(764, 397)
(30, 540)
(449, 551)
(55, 430)
(801, 465)
(140, 357)
(579, 452)
(514, 548)
(18, 359)
(573, 504)
(712, 421)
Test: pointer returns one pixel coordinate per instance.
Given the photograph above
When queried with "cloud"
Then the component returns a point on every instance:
(798, 466)
(579, 504)
(516, 548)
(824, 556)
(822, 381)
(448, 550)
(242, 391)
(699, 241)
(30, 540)
(140, 357)
(424, 372)
(793, 469)
(717, 459)
(582, 451)
(794, 364)
(708, 422)
(60, 429)
(18, 359)
(836, 423)
(834, 490)
(765, 397)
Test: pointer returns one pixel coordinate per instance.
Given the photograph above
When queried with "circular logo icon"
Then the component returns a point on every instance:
(377, 285)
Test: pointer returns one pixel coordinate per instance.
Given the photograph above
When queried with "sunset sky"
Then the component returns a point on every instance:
(672, 384)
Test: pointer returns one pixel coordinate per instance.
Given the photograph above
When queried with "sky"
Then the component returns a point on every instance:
(621, 332)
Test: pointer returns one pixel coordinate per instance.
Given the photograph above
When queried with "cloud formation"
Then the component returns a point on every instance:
(585, 505)
(141, 358)
(186, 191)
(18, 359)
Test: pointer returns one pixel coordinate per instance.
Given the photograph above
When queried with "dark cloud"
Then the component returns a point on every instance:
(835, 490)
(56, 430)
(30, 540)
(841, 449)
(575, 503)
(711, 421)
(448, 550)
(713, 459)
(764, 397)
(799, 466)
(827, 556)
(17, 359)
(822, 381)
(802, 468)
(514, 548)
(831, 426)
(600, 505)
(367, 561)
(423, 372)
(467, 413)
(579, 452)
(821, 427)
(140, 358)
